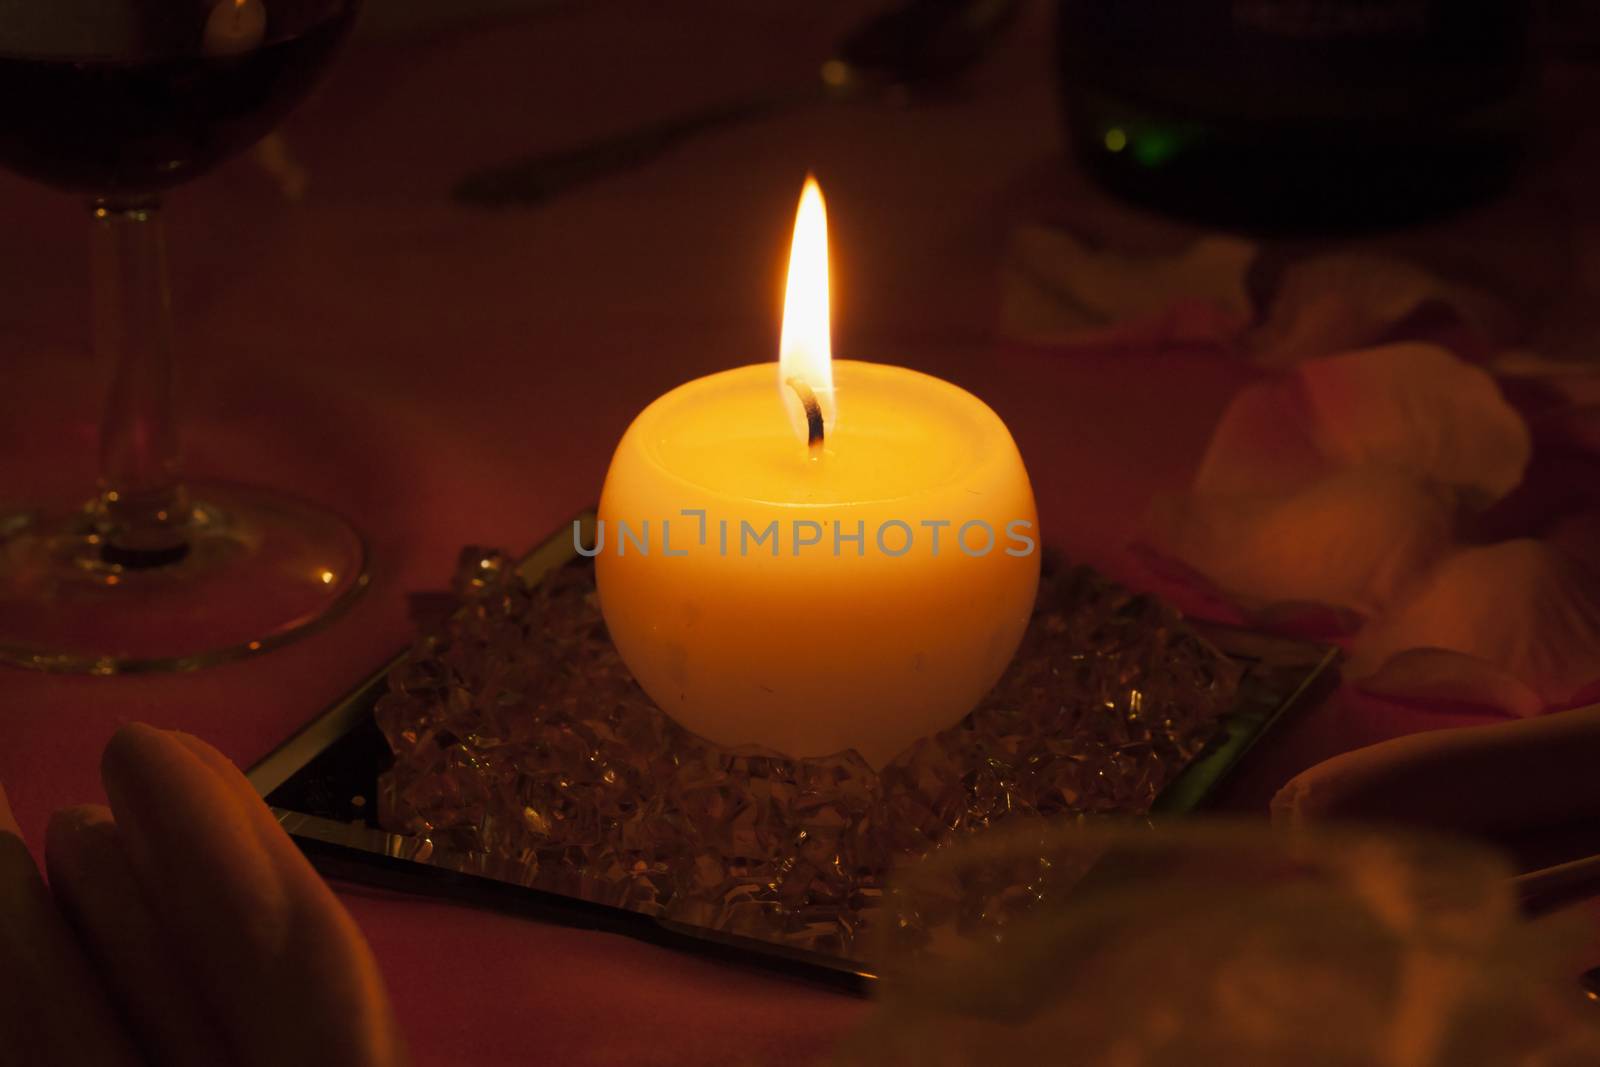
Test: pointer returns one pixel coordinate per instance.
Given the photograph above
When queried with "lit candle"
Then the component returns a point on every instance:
(817, 555)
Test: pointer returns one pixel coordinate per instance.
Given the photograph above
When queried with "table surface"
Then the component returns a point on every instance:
(446, 376)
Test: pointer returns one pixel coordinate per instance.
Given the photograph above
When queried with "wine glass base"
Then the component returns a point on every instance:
(260, 570)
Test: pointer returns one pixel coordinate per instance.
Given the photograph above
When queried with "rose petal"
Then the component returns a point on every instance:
(1578, 537)
(1195, 595)
(1418, 409)
(1336, 302)
(1059, 289)
(1440, 676)
(1523, 607)
(1263, 443)
(1408, 408)
(1561, 400)
(1307, 619)
(1577, 427)
(1182, 586)
(1579, 377)
(1352, 541)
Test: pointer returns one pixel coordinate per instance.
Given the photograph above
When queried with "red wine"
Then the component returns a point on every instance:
(138, 125)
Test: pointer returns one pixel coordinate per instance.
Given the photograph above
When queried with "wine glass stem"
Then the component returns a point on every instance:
(142, 512)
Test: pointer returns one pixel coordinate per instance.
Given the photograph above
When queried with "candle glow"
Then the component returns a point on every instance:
(859, 592)
(805, 349)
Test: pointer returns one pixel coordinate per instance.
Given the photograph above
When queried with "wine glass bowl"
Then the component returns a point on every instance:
(118, 101)
(1206, 941)
(165, 100)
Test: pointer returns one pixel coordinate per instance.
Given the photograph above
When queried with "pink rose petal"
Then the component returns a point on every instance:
(1578, 537)
(1060, 289)
(1263, 443)
(1416, 408)
(1574, 382)
(1411, 409)
(1307, 619)
(1560, 400)
(1352, 541)
(1578, 427)
(1345, 300)
(1182, 586)
(1441, 676)
(1523, 607)
(1196, 596)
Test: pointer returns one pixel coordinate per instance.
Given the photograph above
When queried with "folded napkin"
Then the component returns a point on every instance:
(1401, 478)
(1492, 779)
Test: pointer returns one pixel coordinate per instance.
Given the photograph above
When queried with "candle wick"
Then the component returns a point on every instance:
(808, 401)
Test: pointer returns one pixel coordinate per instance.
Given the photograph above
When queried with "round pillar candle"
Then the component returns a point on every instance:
(814, 556)
(847, 625)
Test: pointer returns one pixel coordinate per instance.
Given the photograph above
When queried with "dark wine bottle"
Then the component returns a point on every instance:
(1297, 114)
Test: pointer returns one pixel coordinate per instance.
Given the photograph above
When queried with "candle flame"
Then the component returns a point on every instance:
(805, 352)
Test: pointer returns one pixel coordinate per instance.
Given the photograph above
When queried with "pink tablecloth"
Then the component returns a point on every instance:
(446, 376)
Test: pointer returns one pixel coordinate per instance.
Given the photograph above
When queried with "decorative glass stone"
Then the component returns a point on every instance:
(518, 733)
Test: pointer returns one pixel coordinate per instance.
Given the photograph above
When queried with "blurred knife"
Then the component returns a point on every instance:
(914, 48)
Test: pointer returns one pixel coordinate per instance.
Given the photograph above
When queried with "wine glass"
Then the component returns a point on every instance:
(117, 101)
(1164, 945)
